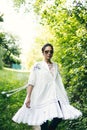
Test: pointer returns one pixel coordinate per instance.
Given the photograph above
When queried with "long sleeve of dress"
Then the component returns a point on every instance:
(32, 76)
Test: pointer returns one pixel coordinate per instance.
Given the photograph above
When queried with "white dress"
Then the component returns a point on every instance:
(48, 99)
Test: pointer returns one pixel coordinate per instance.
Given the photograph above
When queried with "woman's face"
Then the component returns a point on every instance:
(48, 53)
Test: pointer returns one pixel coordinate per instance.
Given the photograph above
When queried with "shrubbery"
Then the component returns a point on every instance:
(9, 105)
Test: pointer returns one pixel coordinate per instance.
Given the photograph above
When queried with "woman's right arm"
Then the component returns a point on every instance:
(31, 84)
(29, 91)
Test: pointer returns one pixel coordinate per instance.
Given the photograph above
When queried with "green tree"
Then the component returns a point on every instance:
(10, 48)
(1, 63)
(70, 41)
(1, 17)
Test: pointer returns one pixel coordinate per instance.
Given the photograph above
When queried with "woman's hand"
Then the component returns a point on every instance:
(27, 103)
(29, 90)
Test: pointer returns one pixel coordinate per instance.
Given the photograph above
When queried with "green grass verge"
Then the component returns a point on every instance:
(10, 79)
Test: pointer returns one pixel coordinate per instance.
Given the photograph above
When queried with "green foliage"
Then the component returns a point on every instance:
(34, 55)
(10, 47)
(70, 42)
(38, 4)
(1, 63)
(1, 50)
(10, 105)
(17, 3)
(1, 17)
(14, 59)
(80, 12)
(26, 4)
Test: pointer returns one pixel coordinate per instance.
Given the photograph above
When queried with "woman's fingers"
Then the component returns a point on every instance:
(28, 103)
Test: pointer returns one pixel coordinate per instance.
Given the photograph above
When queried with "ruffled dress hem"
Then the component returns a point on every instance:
(39, 115)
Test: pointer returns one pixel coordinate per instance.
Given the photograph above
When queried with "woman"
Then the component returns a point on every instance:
(46, 96)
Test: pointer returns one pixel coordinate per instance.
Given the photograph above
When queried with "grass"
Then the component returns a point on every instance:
(10, 79)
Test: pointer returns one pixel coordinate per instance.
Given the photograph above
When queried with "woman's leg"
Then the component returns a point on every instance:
(54, 123)
(44, 126)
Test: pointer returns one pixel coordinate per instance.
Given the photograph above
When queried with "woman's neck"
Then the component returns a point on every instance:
(48, 61)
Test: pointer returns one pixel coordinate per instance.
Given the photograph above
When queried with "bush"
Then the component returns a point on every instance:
(9, 105)
(1, 63)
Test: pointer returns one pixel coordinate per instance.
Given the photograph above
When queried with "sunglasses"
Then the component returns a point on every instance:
(48, 51)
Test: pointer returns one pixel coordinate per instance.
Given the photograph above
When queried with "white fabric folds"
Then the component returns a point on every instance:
(48, 99)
